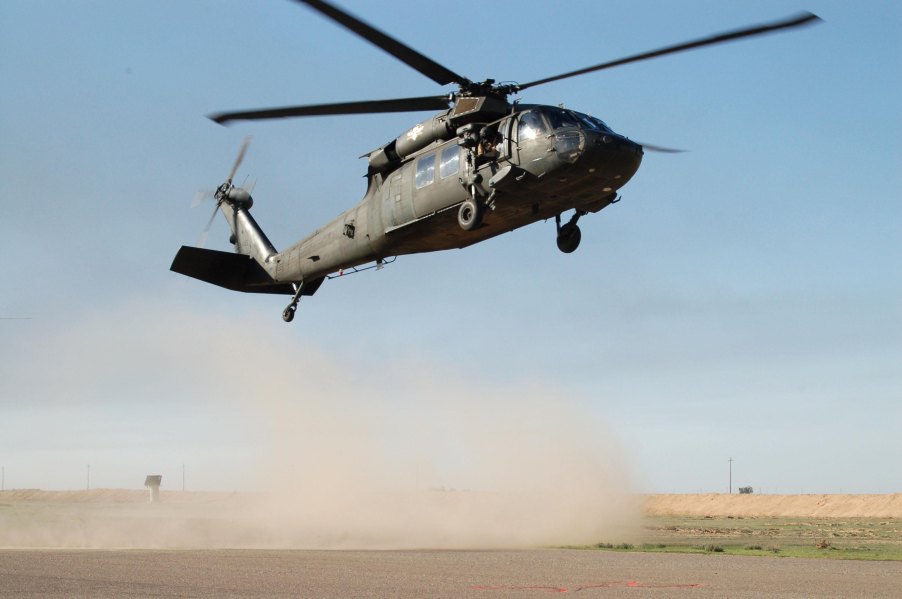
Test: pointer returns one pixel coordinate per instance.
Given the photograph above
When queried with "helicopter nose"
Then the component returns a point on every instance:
(612, 160)
(620, 144)
(631, 145)
(621, 151)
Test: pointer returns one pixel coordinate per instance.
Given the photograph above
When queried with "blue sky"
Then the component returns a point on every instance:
(742, 301)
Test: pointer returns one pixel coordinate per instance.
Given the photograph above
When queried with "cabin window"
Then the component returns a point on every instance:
(531, 126)
(450, 162)
(425, 171)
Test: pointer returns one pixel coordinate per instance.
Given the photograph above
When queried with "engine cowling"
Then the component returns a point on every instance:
(438, 128)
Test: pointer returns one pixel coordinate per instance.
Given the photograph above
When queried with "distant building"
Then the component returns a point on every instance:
(153, 482)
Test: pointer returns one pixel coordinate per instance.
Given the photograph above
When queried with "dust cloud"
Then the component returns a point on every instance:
(442, 465)
(398, 454)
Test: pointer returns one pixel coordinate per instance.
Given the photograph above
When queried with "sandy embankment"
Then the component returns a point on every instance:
(704, 504)
(123, 518)
(776, 506)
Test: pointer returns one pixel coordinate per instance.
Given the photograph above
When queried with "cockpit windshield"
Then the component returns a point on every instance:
(592, 123)
(532, 125)
(561, 118)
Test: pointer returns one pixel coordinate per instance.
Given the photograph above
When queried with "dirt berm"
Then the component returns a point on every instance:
(702, 504)
(776, 506)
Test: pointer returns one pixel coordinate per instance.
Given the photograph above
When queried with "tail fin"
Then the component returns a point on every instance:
(238, 272)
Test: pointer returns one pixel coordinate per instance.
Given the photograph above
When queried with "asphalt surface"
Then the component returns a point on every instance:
(483, 574)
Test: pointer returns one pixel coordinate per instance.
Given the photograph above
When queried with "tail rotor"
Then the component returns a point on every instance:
(226, 192)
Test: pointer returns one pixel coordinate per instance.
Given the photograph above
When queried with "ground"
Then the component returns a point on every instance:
(112, 543)
(835, 526)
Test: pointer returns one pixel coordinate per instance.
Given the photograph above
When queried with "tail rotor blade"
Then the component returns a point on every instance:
(202, 241)
(221, 194)
(241, 152)
(200, 196)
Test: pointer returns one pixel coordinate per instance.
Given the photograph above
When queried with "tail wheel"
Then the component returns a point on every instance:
(470, 215)
(568, 238)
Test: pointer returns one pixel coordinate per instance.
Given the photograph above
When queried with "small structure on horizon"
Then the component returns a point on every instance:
(153, 482)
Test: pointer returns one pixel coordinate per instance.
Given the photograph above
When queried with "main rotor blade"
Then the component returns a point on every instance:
(796, 21)
(665, 150)
(405, 54)
(365, 107)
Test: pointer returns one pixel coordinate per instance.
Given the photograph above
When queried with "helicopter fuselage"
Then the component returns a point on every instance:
(546, 161)
(479, 168)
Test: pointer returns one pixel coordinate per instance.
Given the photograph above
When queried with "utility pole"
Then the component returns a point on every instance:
(731, 475)
(2, 478)
(88, 479)
(183, 478)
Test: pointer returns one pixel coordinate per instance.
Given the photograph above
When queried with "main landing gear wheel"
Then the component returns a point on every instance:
(569, 235)
(568, 238)
(470, 215)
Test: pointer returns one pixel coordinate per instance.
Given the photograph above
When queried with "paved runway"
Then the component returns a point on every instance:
(483, 574)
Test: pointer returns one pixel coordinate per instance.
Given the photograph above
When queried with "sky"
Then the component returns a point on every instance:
(743, 301)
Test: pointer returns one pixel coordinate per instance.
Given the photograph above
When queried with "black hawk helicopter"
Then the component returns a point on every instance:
(481, 167)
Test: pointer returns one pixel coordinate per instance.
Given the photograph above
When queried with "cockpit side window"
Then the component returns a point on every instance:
(504, 131)
(531, 126)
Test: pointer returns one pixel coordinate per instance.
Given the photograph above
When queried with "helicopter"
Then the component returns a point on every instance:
(482, 166)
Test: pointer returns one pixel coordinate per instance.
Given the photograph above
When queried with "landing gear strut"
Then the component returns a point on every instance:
(568, 235)
(288, 312)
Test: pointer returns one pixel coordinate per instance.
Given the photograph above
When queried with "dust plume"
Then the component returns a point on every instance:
(401, 454)
(438, 463)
